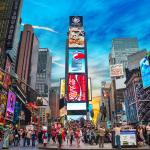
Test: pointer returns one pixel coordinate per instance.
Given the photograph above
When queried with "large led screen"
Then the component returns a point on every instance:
(145, 71)
(10, 105)
(76, 61)
(76, 37)
(76, 106)
(77, 88)
(75, 117)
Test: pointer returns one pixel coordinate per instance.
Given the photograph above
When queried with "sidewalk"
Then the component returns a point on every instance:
(87, 146)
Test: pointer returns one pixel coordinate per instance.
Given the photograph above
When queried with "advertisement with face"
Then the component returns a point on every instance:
(145, 71)
(62, 88)
(77, 88)
(10, 105)
(76, 61)
(76, 37)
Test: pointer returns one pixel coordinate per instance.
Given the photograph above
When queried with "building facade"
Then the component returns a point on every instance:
(27, 58)
(121, 49)
(43, 75)
(10, 11)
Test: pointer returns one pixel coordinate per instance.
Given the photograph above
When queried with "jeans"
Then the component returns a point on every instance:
(101, 141)
(118, 141)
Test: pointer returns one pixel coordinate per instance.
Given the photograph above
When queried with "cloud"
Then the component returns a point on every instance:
(43, 28)
(58, 64)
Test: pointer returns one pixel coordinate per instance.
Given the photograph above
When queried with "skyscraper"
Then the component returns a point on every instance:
(27, 57)
(121, 49)
(43, 76)
(9, 30)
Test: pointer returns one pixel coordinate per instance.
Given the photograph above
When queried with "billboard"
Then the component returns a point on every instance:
(116, 70)
(145, 71)
(77, 88)
(89, 90)
(128, 138)
(76, 37)
(76, 106)
(76, 21)
(10, 106)
(76, 61)
(62, 88)
(1, 77)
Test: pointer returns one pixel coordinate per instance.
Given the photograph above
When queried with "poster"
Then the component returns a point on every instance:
(76, 21)
(76, 37)
(10, 106)
(76, 61)
(116, 70)
(77, 88)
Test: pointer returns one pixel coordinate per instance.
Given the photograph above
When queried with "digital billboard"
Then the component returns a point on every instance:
(145, 71)
(62, 88)
(128, 138)
(76, 37)
(10, 105)
(89, 90)
(76, 61)
(116, 70)
(76, 106)
(1, 77)
(77, 88)
(76, 21)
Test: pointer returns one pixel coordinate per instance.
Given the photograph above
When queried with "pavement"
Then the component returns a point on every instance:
(107, 146)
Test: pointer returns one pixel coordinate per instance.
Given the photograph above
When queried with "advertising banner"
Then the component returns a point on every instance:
(62, 88)
(7, 81)
(76, 61)
(3, 101)
(76, 21)
(89, 90)
(145, 71)
(116, 70)
(1, 77)
(128, 138)
(77, 88)
(76, 37)
(10, 106)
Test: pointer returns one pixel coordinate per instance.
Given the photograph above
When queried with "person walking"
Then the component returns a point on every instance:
(71, 136)
(29, 132)
(33, 138)
(45, 138)
(148, 133)
(101, 130)
(59, 137)
(78, 136)
(117, 130)
(24, 137)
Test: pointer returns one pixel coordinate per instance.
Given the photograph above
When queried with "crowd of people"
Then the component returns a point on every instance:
(75, 132)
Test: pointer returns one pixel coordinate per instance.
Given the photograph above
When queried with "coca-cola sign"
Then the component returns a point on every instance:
(77, 88)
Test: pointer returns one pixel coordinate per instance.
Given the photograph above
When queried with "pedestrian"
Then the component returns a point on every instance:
(16, 137)
(78, 136)
(117, 130)
(40, 135)
(71, 136)
(148, 133)
(68, 135)
(63, 136)
(24, 136)
(29, 133)
(59, 137)
(33, 138)
(45, 138)
(101, 130)
(53, 134)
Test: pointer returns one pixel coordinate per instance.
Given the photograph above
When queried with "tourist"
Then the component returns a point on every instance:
(101, 130)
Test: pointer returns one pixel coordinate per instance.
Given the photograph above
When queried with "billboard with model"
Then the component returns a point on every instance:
(11, 101)
(116, 70)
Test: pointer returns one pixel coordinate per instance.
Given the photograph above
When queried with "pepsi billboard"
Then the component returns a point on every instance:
(76, 61)
(77, 88)
(145, 71)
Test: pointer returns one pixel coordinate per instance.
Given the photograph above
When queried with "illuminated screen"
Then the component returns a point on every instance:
(75, 117)
(76, 106)
(62, 88)
(76, 37)
(76, 61)
(145, 71)
(77, 88)
(89, 90)
(11, 101)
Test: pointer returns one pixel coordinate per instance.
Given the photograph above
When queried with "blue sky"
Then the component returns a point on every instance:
(103, 20)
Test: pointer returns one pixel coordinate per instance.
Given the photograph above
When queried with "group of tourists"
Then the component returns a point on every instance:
(73, 133)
